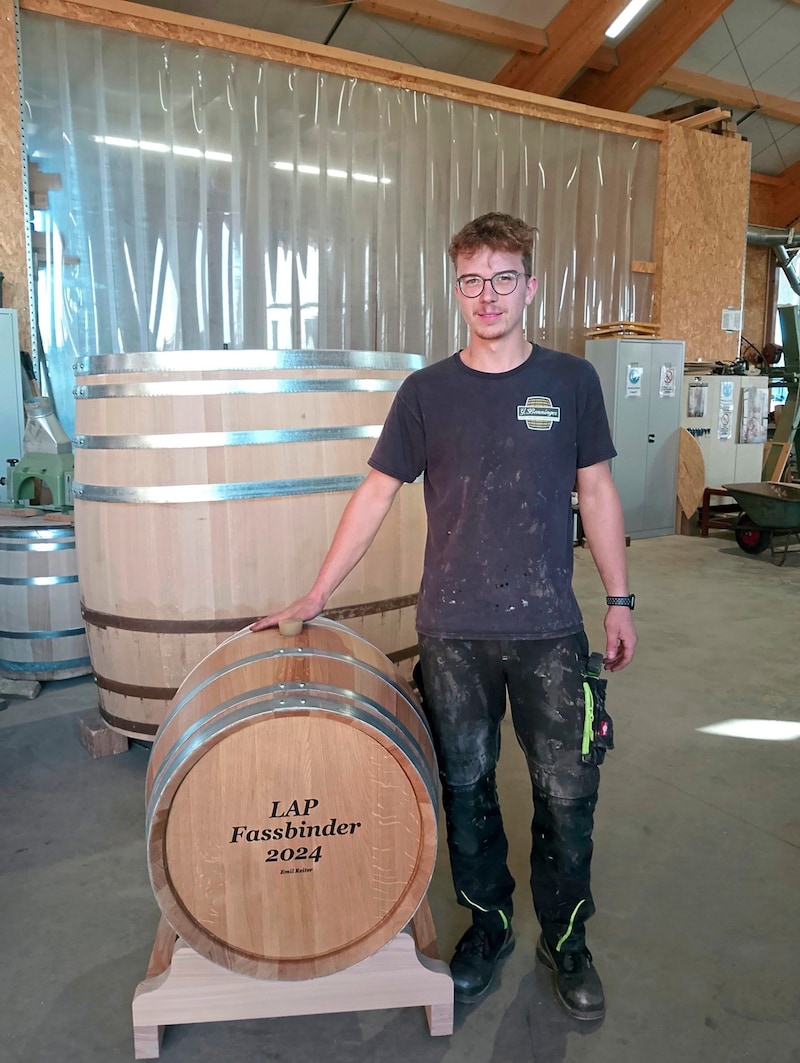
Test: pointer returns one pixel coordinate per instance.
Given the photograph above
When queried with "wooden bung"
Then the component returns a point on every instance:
(291, 804)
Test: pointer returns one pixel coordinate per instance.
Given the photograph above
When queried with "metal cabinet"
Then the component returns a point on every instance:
(12, 422)
(712, 409)
(641, 381)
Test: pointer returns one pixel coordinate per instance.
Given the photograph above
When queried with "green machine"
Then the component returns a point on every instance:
(46, 456)
(788, 376)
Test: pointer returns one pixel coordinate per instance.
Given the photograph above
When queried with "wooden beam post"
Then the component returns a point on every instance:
(13, 248)
(787, 196)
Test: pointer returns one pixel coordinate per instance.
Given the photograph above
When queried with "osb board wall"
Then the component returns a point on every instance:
(703, 203)
(13, 254)
(762, 199)
(758, 269)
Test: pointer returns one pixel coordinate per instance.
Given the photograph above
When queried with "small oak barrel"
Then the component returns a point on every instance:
(291, 804)
(42, 635)
(208, 485)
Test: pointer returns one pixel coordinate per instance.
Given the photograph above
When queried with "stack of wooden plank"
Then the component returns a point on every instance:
(702, 114)
(622, 328)
(699, 368)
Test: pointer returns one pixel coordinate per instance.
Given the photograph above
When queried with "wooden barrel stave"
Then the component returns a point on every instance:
(368, 760)
(223, 675)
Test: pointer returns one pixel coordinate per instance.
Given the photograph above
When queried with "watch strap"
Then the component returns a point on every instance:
(621, 599)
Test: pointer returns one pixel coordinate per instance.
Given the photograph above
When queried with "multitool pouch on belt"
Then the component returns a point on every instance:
(598, 727)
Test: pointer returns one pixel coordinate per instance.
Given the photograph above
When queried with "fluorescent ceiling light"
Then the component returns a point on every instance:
(762, 730)
(625, 17)
(315, 171)
(164, 149)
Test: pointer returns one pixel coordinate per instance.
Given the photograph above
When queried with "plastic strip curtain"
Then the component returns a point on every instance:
(210, 199)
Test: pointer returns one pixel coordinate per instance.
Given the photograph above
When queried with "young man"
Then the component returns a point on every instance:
(502, 430)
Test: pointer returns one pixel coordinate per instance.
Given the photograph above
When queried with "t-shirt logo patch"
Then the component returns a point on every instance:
(538, 413)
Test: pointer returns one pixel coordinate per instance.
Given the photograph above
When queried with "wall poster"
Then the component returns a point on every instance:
(633, 382)
(725, 423)
(666, 382)
(755, 411)
(698, 396)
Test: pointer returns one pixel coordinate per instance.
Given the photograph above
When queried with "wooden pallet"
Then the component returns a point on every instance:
(183, 987)
(622, 328)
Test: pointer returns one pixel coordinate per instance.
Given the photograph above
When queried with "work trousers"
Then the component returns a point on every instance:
(464, 688)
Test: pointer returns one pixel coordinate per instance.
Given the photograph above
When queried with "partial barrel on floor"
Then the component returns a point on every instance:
(42, 634)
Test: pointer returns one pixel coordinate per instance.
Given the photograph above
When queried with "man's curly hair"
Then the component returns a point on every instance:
(499, 232)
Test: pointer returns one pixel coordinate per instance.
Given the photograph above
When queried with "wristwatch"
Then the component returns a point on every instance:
(622, 599)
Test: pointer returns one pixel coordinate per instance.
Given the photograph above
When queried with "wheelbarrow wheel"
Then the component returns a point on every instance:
(752, 539)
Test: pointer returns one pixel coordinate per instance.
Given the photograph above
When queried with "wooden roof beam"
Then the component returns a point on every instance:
(435, 14)
(575, 35)
(451, 18)
(742, 96)
(647, 52)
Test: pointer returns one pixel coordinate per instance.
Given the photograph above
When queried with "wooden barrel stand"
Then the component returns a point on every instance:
(184, 987)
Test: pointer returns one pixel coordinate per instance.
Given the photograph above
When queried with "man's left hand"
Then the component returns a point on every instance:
(620, 638)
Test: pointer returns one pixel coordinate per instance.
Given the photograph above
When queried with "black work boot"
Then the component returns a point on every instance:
(578, 984)
(478, 955)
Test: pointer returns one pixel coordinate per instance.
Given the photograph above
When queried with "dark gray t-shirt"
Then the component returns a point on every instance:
(499, 452)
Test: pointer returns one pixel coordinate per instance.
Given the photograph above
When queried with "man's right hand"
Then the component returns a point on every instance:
(305, 608)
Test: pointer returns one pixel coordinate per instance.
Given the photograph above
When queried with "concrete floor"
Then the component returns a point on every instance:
(697, 862)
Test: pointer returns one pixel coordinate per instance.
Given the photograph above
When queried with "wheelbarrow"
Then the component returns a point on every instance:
(769, 510)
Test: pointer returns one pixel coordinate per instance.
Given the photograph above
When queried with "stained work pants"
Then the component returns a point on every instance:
(464, 686)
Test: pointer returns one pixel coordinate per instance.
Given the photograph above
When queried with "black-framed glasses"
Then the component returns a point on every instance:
(504, 283)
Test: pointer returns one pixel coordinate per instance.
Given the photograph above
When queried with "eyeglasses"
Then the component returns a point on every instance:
(504, 283)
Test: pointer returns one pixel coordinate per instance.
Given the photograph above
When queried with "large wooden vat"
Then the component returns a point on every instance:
(42, 635)
(208, 485)
(291, 804)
